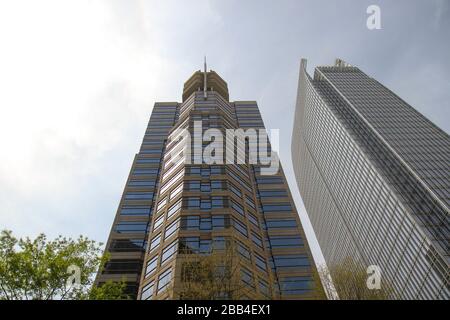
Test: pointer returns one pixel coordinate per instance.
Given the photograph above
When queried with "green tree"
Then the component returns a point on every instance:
(347, 280)
(63, 269)
(211, 276)
(110, 290)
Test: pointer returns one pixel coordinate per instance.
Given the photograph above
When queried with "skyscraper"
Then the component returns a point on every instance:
(172, 208)
(374, 176)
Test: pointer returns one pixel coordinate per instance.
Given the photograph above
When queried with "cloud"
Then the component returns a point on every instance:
(72, 91)
(78, 80)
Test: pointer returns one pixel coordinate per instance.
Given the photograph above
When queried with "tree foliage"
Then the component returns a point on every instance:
(211, 276)
(40, 269)
(347, 280)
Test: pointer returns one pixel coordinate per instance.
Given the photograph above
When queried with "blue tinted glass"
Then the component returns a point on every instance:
(145, 171)
(151, 266)
(134, 211)
(169, 251)
(189, 245)
(129, 227)
(218, 222)
(240, 227)
(295, 285)
(288, 223)
(139, 195)
(277, 207)
(285, 241)
(291, 261)
(141, 183)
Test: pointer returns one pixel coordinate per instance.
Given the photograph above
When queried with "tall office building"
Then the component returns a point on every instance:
(374, 176)
(171, 209)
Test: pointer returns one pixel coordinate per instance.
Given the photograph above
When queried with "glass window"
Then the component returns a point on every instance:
(205, 187)
(169, 251)
(155, 242)
(285, 241)
(164, 280)
(172, 168)
(264, 288)
(295, 285)
(220, 222)
(189, 245)
(235, 190)
(151, 266)
(217, 170)
(151, 151)
(171, 181)
(161, 204)
(205, 223)
(148, 160)
(141, 183)
(174, 209)
(205, 246)
(288, 261)
(241, 170)
(240, 227)
(147, 291)
(272, 193)
(240, 181)
(139, 195)
(122, 266)
(205, 204)
(243, 250)
(190, 222)
(268, 180)
(247, 277)
(193, 185)
(140, 171)
(257, 240)
(193, 202)
(253, 220)
(135, 211)
(217, 185)
(287, 223)
(176, 191)
(171, 229)
(205, 172)
(218, 202)
(260, 263)
(277, 207)
(250, 202)
(127, 245)
(158, 222)
(237, 207)
(131, 227)
(194, 170)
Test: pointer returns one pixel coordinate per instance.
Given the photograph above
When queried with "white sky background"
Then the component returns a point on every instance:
(78, 80)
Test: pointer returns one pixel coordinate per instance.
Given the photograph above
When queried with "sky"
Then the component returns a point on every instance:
(78, 80)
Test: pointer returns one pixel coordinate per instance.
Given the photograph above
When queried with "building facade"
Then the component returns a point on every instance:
(173, 209)
(374, 176)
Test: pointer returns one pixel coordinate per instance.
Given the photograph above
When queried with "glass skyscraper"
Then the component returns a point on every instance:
(170, 209)
(374, 175)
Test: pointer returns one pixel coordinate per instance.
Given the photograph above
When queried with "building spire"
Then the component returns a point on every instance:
(204, 80)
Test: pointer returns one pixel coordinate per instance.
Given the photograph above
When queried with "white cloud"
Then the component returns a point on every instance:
(78, 80)
(72, 89)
